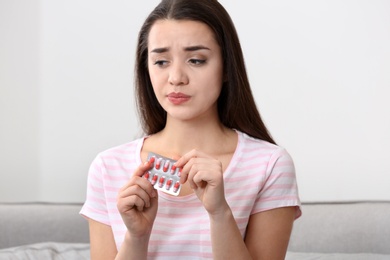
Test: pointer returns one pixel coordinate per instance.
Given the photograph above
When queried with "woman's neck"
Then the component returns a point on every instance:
(179, 137)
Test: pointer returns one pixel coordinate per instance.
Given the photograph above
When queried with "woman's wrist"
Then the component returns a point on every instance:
(136, 240)
(219, 215)
(134, 247)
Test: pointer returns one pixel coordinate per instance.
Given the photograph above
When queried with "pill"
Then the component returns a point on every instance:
(176, 187)
(158, 163)
(152, 159)
(161, 181)
(179, 173)
(173, 168)
(166, 166)
(154, 179)
(146, 175)
(168, 184)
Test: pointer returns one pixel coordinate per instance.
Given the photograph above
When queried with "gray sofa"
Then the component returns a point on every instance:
(344, 231)
(43, 231)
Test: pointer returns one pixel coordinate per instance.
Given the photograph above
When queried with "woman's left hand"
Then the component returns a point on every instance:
(205, 176)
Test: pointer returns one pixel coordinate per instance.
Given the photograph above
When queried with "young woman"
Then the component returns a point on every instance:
(239, 195)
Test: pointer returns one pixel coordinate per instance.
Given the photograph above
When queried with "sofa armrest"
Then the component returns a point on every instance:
(355, 227)
(29, 223)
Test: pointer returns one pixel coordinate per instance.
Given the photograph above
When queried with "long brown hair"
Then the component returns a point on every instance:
(236, 106)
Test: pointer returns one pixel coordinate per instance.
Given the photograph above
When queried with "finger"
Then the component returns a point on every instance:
(138, 182)
(175, 157)
(184, 164)
(201, 178)
(183, 172)
(198, 174)
(191, 168)
(136, 190)
(144, 167)
(128, 203)
(142, 183)
(203, 170)
(186, 157)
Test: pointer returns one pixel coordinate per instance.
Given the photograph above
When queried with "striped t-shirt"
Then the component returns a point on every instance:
(260, 177)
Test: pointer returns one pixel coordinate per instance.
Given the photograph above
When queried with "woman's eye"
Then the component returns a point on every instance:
(160, 63)
(197, 61)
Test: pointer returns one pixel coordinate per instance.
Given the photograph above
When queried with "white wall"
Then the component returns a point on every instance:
(319, 72)
(19, 100)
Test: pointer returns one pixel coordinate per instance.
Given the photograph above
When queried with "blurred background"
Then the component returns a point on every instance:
(320, 73)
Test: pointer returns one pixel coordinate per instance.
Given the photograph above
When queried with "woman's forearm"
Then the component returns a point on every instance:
(226, 239)
(133, 248)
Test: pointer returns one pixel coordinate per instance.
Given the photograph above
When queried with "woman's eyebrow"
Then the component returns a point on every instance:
(189, 48)
(196, 48)
(160, 50)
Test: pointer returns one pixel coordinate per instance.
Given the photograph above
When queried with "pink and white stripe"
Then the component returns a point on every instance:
(260, 177)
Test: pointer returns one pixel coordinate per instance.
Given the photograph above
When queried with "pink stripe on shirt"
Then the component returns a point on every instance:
(260, 176)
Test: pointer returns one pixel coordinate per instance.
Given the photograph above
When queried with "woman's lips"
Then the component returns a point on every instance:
(178, 98)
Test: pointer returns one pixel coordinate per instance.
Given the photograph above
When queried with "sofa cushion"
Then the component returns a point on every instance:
(334, 256)
(49, 250)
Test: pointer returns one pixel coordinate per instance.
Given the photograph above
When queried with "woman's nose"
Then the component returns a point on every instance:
(177, 75)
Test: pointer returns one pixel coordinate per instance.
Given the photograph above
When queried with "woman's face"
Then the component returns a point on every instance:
(185, 68)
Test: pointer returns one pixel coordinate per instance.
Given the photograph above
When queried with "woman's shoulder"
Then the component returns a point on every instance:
(254, 147)
(123, 150)
(250, 142)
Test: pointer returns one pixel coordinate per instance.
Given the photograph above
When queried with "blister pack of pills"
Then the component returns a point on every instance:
(164, 175)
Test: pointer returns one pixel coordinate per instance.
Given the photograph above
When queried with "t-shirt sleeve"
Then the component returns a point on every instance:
(280, 184)
(95, 205)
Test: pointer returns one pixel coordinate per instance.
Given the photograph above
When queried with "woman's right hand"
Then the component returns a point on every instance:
(137, 203)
